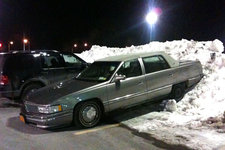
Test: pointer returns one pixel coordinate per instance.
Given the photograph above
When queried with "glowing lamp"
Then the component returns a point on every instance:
(25, 41)
(152, 17)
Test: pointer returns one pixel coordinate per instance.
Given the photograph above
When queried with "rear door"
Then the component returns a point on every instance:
(129, 91)
(52, 67)
(159, 76)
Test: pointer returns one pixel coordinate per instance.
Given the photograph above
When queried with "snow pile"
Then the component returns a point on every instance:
(183, 123)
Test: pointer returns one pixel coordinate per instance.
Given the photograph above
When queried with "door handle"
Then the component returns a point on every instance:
(171, 75)
(140, 83)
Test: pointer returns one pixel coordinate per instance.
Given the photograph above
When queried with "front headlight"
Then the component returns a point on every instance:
(49, 109)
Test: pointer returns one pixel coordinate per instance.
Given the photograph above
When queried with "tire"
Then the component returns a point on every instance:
(87, 114)
(30, 88)
(178, 92)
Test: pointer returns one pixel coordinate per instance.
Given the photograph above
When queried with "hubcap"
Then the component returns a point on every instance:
(89, 113)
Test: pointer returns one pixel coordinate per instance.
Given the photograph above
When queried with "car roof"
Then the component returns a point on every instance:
(27, 52)
(126, 57)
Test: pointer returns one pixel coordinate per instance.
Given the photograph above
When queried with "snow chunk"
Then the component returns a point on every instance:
(171, 106)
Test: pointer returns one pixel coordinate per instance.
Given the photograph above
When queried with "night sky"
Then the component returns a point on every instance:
(59, 24)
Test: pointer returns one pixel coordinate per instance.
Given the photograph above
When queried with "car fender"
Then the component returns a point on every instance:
(34, 80)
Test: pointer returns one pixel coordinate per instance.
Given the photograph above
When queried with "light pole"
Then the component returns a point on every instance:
(25, 41)
(9, 45)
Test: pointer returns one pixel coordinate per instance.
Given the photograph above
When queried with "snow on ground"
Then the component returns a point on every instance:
(187, 123)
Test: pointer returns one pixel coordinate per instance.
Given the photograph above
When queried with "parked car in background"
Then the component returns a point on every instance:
(108, 84)
(23, 72)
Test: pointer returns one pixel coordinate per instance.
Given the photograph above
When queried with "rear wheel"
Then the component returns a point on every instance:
(178, 92)
(28, 89)
(87, 114)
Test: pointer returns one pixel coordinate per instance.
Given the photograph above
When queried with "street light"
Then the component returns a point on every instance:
(9, 45)
(0, 45)
(152, 18)
(85, 44)
(25, 41)
(74, 46)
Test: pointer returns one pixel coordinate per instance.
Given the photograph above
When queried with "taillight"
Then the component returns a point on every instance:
(4, 80)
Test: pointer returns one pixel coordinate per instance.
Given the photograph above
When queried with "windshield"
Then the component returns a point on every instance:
(99, 71)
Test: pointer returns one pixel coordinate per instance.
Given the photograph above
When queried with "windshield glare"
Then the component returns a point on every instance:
(99, 71)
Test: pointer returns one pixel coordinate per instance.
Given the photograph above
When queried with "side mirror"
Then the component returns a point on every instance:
(119, 77)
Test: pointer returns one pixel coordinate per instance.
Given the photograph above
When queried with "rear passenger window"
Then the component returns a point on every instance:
(130, 69)
(19, 62)
(155, 63)
(52, 61)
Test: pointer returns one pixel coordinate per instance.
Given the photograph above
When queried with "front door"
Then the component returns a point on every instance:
(53, 67)
(129, 91)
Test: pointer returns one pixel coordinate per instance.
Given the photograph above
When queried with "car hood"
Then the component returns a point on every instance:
(51, 93)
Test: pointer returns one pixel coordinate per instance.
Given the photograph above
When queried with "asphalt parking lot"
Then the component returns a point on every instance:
(109, 135)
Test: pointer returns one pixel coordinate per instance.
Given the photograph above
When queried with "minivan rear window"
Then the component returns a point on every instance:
(18, 63)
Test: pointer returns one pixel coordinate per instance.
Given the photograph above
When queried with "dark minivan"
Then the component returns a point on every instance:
(23, 72)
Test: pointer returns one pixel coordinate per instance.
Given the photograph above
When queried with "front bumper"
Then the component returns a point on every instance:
(48, 120)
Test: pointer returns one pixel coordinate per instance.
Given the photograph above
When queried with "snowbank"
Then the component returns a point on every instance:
(185, 124)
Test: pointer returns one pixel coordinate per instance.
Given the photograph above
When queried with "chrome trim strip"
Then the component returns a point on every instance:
(34, 104)
(126, 97)
(194, 78)
(105, 102)
(161, 88)
(137, 94)
(46, 118)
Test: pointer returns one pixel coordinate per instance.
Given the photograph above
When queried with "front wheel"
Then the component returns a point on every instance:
(87, 114)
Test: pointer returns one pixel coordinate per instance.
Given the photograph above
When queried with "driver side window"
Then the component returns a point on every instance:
(71, 61)
(130, 68)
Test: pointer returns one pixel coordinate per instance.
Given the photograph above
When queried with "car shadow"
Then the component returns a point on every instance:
(119, 115)
(109, 119)
(6, 103)
(139, 110)
(16, 124)
(136, 111)
(113, 117)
